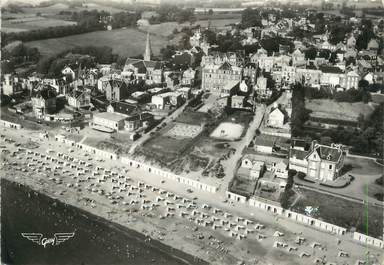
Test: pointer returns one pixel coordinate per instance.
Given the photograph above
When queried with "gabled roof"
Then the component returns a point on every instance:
(330, 69)
(143, 65)
(46, 92)
(328, 153)
(298, 154)
(225, 66)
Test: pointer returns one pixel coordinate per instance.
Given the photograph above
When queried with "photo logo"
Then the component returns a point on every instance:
(54, 241)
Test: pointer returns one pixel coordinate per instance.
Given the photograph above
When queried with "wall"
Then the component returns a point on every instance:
(98, 152)
(301, 218)
(235, 197)
(8, 124)
(275, 208)
(61, 138)
(368, 240)
(190, 182)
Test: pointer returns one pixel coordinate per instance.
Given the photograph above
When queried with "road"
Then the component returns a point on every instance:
(231, 164)
(166, 120)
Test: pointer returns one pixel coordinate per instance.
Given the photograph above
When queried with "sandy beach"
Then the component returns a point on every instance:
(197, 230)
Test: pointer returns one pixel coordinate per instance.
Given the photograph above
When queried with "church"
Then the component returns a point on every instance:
(144, 69)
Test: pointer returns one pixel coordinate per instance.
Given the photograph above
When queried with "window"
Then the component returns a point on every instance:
(330, 166)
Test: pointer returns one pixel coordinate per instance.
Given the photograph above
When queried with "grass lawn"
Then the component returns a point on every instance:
(328, 108)
(242, 186)
(125, 42)
(343, 212)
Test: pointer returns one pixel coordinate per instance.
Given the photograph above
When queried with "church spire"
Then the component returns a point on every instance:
(148, 51)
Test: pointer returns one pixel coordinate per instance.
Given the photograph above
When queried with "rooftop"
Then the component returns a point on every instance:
(110, 116)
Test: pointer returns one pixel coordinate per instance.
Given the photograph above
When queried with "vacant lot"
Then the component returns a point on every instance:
(343, 212)
(327, 108)
(125, 42)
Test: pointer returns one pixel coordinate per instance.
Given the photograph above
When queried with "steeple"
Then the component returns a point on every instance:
(148, 51)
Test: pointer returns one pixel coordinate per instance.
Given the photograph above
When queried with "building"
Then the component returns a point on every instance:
(266, 168)
(68, 72)
(309, 75)
(216, 77)
(11, 85)
(320, 162)
(331, 75)
(79, 98)
(108, 122)
(237, 102)
(137, 121)
(116, 90)
(255, 167)
(44, 102)
(189, 78)
(149, 71)
(123, 108)
(249, 72)
(350, 80)
(298, 58)
(162, 101)
(261, 88)
(219, 58)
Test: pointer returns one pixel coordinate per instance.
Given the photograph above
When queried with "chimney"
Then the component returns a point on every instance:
(313, 145)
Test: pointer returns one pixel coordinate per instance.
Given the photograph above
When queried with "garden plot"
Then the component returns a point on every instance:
(182, 130)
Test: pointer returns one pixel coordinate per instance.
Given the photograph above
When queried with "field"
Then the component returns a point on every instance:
(228, 131)
(327, 108)
(43, 17)
(32, 23)
(125, 42)
(343, 212)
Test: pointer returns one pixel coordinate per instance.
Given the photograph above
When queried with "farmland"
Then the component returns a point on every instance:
(125, 42)
(32, 23)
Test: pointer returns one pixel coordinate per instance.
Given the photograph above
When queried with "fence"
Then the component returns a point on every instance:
(368, 240)
(11, 125)
(190, 182)
(272, 207)
(96, 151)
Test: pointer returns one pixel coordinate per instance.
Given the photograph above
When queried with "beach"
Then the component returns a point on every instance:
(181, 228)
(100, 241)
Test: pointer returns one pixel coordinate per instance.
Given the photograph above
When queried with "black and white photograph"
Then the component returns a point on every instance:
(192, 132)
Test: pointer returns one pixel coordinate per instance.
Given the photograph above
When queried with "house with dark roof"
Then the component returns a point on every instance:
(320, 162)
(123, 108)
(116, 90)
(79, 98)
(44, 101)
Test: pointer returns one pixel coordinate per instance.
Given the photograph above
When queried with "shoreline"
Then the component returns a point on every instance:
(128, 232)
